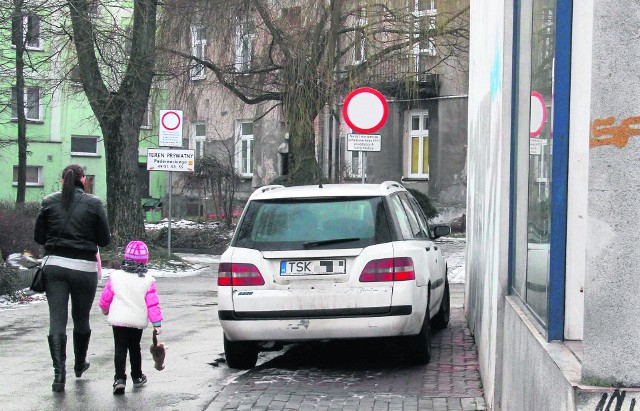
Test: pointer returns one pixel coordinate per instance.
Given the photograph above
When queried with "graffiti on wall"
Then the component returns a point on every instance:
(615, 402)
(604, 132)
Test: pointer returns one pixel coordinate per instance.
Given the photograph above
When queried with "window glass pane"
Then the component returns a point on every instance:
(416, 231)
(247, 128)
(288, 225)
(200, 130)
(425, 122)
(415, 122)
(539, 217)
(14, 103)
(415, 155)
(84, 144)
(401, 215)
(425, 155)
(244, 156)
(33, 174)
(33, 103)
(250, 156)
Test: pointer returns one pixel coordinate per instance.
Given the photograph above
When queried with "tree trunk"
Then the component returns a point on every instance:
(123, 202)
(18, 40)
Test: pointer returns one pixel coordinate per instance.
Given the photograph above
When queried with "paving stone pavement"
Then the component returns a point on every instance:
(373, 375)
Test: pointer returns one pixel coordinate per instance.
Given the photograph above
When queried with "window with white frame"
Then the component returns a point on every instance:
(359, 38)
(85, 146)
(245, 34)
(424, 14)
(418, 144)
(32, 35)
(32, 103)
(199, 139)
(244, 151)
(34, 175)
(198, 49)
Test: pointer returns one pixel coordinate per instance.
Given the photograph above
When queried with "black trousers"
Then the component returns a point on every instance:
(127, 339)
(63, 283)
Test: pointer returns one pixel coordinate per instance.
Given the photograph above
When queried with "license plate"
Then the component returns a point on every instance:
(313, 267)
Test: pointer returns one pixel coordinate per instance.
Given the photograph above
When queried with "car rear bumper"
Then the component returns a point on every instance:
(317, 324)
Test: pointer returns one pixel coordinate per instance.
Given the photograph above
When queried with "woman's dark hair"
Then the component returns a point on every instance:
(71, 176)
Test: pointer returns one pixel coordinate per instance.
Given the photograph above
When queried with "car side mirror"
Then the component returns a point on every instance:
(441, 231)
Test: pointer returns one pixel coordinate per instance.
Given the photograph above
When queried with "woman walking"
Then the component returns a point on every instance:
(71, 225)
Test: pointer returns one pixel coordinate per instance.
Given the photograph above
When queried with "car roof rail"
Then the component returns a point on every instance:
(264, 189)
(391, 185)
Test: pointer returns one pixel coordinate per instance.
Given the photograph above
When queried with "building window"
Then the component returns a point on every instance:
(418, 144)
(424, 15)
(89, 183)
(533, 242)
(32, 35)
(34, 176)
(32, 109)
(93, 8)
(84, 146)
(198, 49)
(245, 34)
(146, 118)
(359, 38)
(199, 139)
(244, 152)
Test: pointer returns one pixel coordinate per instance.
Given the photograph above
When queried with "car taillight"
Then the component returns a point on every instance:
(236, 274)
(388, 269)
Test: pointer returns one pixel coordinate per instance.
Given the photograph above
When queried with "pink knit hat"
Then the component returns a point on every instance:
(137, 251)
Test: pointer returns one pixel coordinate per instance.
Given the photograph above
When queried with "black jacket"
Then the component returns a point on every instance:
(86, 230)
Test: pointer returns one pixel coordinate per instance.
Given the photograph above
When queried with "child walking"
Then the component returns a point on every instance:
(129, 299)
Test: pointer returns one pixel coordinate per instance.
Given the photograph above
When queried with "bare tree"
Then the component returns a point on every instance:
(303, 54)
(216, 173)
(24, 59)
(116, 67)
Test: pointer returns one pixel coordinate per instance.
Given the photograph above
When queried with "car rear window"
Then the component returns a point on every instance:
(294, 224)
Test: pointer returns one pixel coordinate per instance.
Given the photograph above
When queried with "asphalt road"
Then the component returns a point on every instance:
(192, 377)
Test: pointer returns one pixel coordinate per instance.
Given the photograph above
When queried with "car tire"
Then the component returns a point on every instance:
(421, 343)
(240, 354)
(441, 320)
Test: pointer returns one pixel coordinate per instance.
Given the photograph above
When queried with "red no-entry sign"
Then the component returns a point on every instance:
(365, 110)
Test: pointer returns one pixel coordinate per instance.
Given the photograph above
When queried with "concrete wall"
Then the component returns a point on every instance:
(612, 286)
(532, 380)
(488, 185)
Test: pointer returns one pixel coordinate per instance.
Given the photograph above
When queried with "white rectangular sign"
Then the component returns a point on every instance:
(363, 142)
(170, 128)
(159, 159)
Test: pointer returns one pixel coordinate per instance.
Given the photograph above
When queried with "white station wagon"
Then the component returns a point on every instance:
(331, 262)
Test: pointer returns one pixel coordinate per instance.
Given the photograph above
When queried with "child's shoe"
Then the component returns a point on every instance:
(118, 386)
(139, 382)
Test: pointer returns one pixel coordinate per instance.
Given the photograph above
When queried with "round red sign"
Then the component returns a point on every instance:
(365, 110)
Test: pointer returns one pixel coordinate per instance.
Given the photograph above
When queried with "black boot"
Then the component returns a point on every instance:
(80, 346)
(58, 349)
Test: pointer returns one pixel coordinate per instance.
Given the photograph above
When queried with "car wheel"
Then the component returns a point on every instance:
(441, 320)
(240, 354)
(421, 343)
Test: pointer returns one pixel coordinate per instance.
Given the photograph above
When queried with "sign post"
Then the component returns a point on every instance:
(365, 111)
(170, 135)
